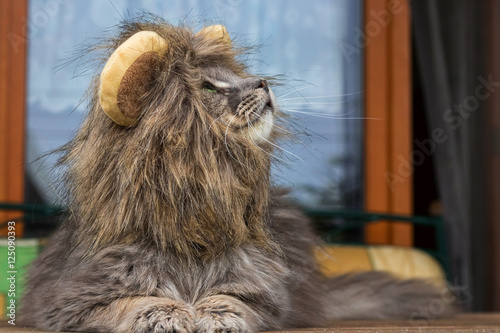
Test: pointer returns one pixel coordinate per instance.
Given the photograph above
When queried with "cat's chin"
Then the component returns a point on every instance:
(261, 130)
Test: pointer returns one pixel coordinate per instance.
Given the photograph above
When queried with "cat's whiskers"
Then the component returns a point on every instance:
(294, 91)
(328, 116)
(251, 127)
(274, 145)
(314, 103)
(320, 97)
(213, 122)
(227, 147)
(336, 115)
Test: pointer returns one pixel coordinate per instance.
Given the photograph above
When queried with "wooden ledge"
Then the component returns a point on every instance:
(471, 322)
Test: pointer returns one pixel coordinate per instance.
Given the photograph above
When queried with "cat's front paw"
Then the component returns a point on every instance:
(224, 314)
(169, 317)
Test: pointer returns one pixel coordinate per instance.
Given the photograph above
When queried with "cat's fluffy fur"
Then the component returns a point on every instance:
(174, 226)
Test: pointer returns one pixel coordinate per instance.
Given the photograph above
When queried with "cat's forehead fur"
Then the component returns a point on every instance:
(221, 76)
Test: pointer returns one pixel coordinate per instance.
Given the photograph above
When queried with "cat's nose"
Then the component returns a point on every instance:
(263, 85)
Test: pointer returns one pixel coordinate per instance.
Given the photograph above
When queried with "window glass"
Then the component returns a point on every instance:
(308, 42)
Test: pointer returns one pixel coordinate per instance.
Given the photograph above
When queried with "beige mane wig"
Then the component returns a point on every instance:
(144, 165)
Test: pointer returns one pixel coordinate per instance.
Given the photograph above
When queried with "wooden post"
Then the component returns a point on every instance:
(388, 137)
(13, 20)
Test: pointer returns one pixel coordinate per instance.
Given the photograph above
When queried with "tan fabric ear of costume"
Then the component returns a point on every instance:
(216, 32)
(135, 84)
(129, 65)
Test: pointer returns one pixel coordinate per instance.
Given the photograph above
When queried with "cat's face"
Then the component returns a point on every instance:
(244, 105)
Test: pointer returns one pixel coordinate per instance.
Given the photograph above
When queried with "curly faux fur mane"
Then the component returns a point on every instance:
(170, 180)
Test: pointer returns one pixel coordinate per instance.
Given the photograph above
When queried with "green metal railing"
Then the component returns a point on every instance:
(33, 209)
(354, 220)
(30, 211)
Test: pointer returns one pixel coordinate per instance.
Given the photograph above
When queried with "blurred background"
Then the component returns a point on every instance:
(394, 104)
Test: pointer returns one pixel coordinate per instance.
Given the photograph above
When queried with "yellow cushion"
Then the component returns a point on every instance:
(334, 260)
(402, 262)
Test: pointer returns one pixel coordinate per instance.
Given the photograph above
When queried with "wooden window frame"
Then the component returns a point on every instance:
(13, 20)
(388, 177)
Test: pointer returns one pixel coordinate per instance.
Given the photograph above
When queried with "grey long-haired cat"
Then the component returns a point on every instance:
(174, 226)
